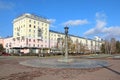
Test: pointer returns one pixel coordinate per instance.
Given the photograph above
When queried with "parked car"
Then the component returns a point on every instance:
(5, 54)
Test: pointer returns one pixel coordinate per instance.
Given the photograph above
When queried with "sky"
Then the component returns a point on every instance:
(85, 18)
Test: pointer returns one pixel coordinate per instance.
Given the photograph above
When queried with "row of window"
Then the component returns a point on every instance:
(30, 45)
(30, 26)
(53, 38)
(18, 28)
(36, 22)
(30, 40)
(32, 21)
(55, 35)
(33, 45)
(45, 29)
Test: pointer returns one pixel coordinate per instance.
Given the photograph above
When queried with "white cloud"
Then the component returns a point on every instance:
(52, 20)
(98, 28)
(100, 16)
(6, 5)
(113, 31)
(52, 26)
(102, 28)
(75, 22)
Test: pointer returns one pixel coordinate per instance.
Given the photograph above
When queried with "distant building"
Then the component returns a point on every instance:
(29, 26)
(90, 45)
(31, 34)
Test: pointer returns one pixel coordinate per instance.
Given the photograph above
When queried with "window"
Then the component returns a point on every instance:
(10, 44)
(29, 40)
(91, 43)
(29, 35)
(29, 45)
(33, 35)
(7, 45)
(33, 40)
(30, 25)
(37, 40)
(45, 24)
(45, 33)
(18, 28)
(29, 30)
(45, 37)
(34, 22)
(29, 20)
(42, 24)
(34, 31)
(38, 22)
(45, 45)
(38, 45)
(33, 45)
(18, 34)
(45, 41)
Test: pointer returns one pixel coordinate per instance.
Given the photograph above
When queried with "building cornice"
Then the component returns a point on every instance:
(69, 35)
(32, 16)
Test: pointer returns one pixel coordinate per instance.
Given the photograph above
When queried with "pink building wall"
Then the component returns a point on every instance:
(53, 43)
(23, 44)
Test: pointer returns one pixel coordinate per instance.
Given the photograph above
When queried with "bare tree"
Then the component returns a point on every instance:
(117, 46)
(112, 45)
(107, 47)
(82, 47)
(91, 46)
(77, 46)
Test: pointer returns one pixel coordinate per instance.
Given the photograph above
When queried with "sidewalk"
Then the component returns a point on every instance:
(10, 69)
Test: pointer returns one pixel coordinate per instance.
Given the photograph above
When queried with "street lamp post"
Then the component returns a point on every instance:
(66, 42)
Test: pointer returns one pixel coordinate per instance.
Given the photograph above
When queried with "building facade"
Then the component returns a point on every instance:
(29, 26)
(76, 43)
(31, 34)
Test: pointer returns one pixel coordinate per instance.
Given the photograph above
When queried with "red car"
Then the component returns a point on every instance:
(5, 54)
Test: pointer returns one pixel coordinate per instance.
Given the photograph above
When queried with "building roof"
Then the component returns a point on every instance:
(32, 16)
(69, 35)
(56, 32)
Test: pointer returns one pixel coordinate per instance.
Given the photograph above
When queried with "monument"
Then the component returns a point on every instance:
(66, 59)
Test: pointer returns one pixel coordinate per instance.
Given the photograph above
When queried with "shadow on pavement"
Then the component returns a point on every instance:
(111, 69)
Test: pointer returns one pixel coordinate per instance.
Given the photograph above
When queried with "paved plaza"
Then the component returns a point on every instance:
(10, 69)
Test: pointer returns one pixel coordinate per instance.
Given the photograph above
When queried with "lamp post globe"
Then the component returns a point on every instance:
(66, 30)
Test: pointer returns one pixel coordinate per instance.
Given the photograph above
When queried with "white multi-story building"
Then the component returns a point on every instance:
(90, 45)
(31, 32)
(29, 26)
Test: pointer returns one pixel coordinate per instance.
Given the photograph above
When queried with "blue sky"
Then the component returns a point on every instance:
(85, 18)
